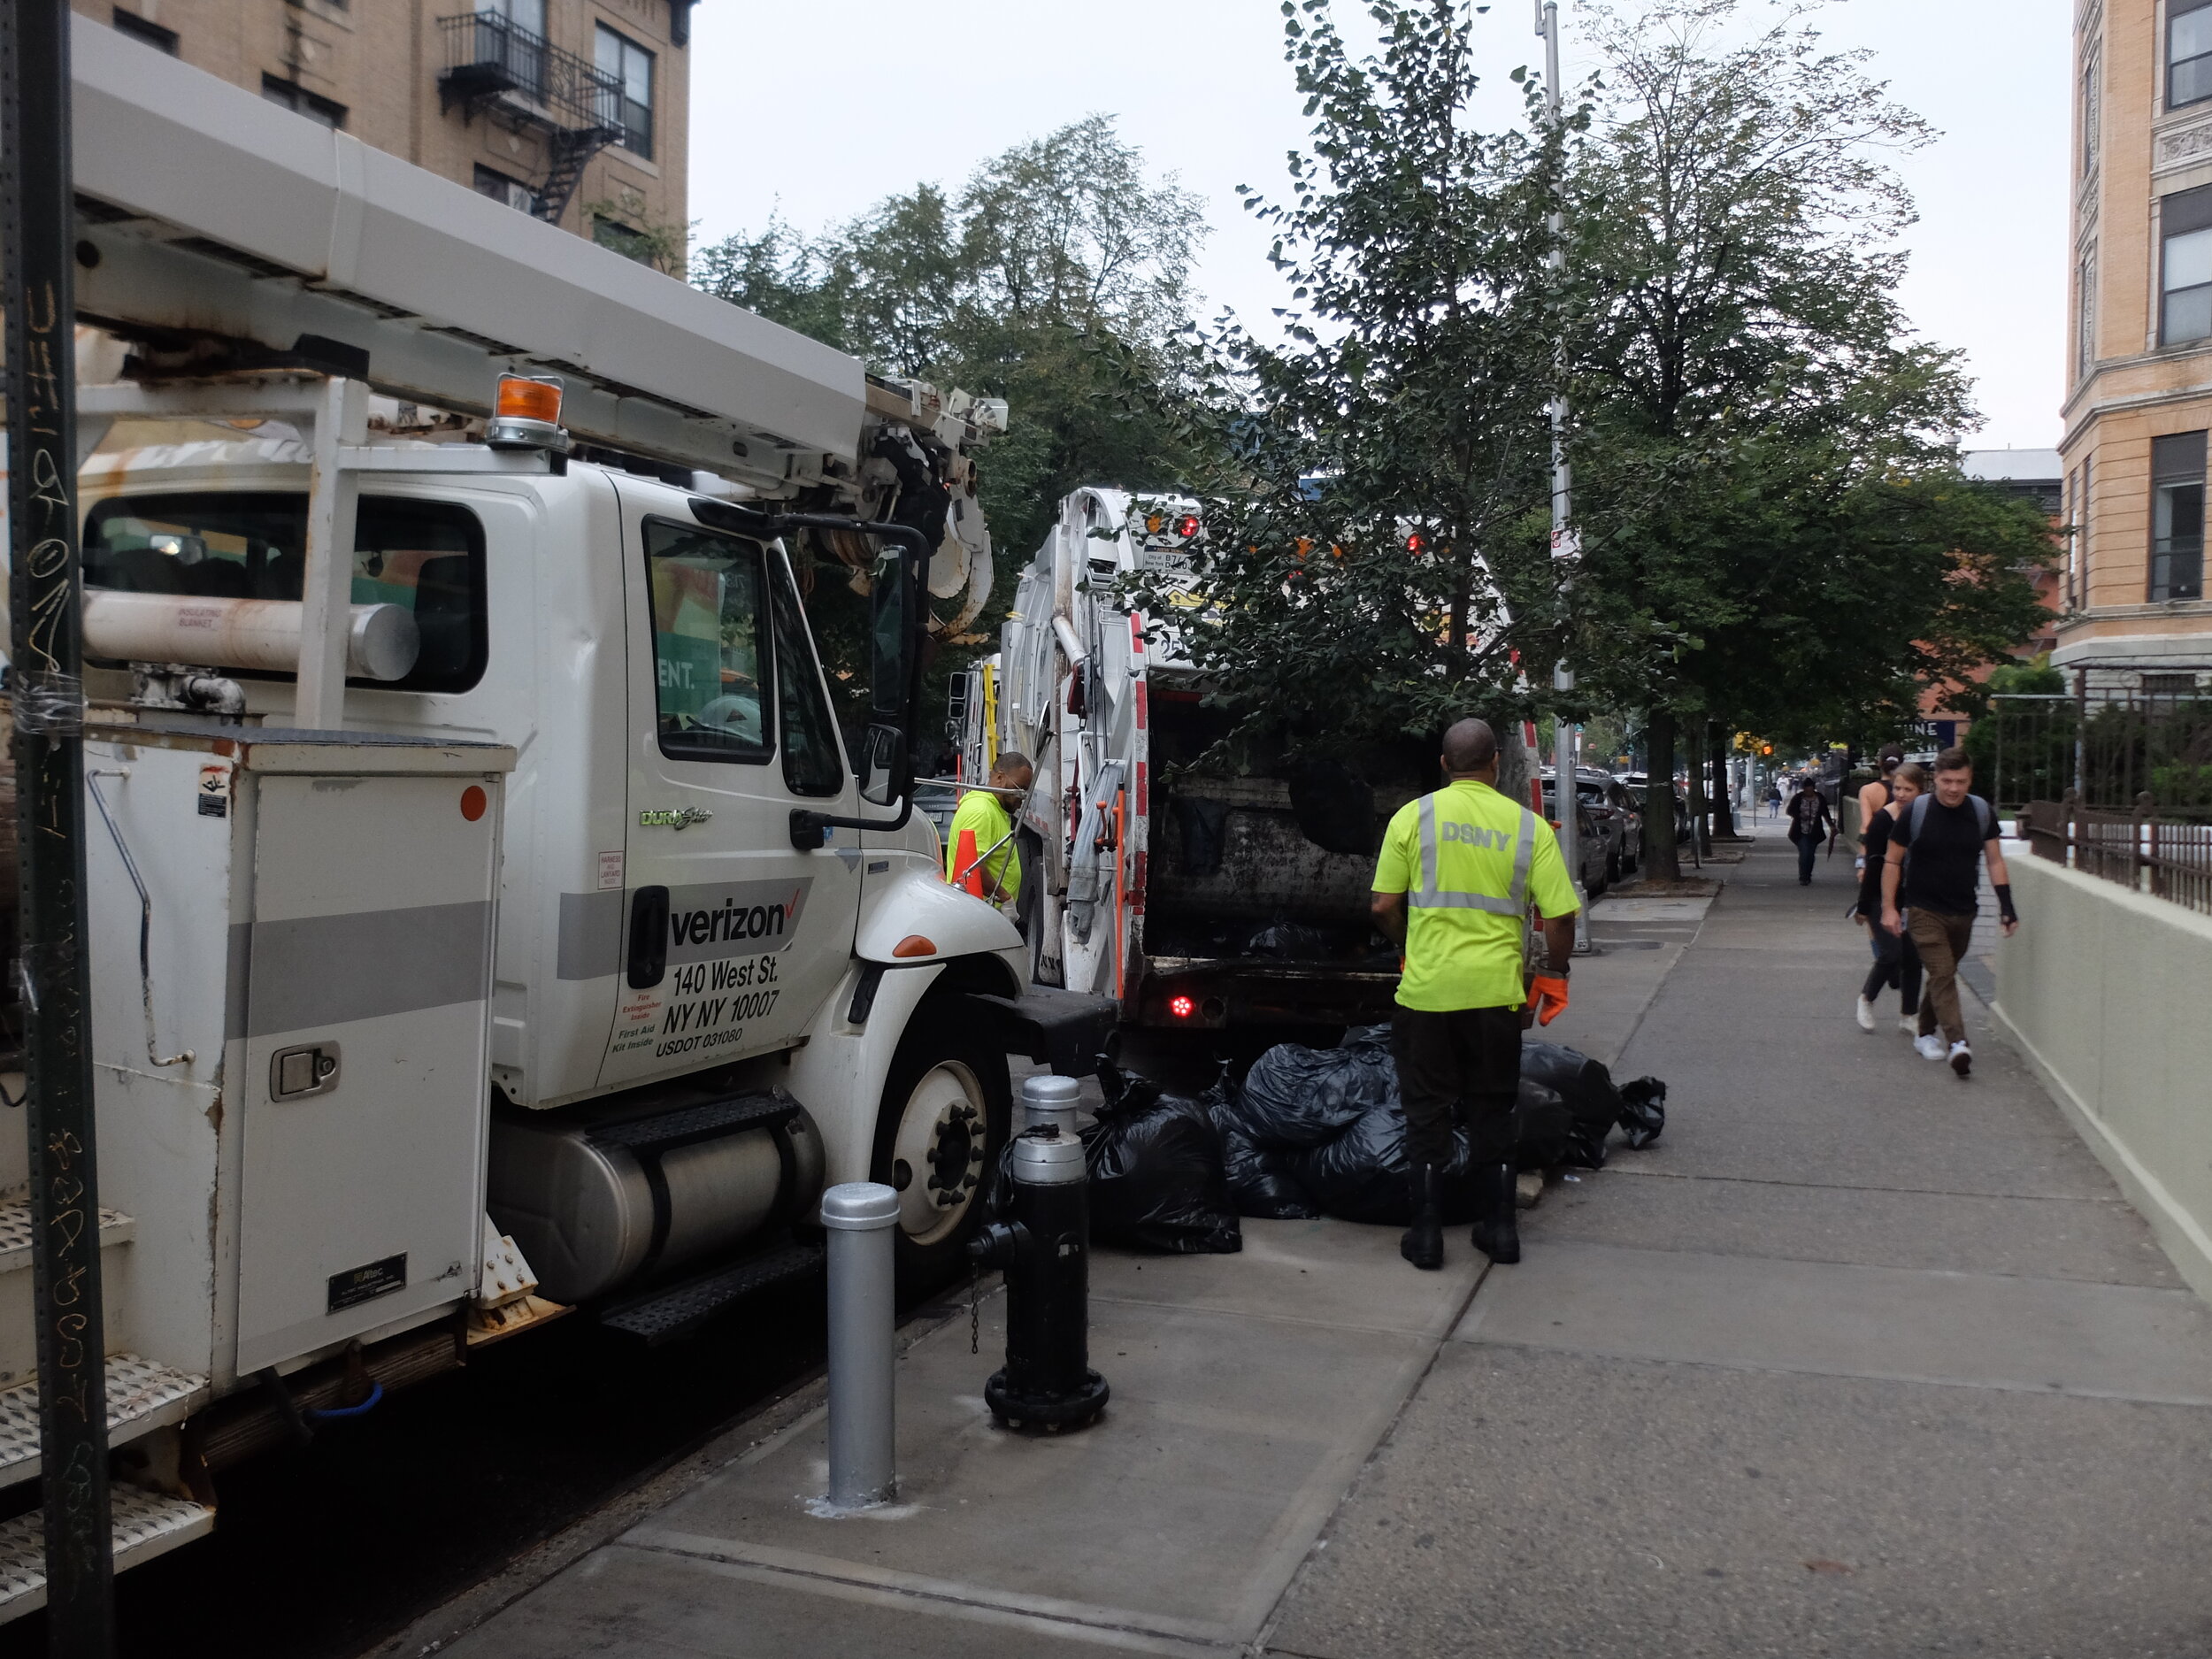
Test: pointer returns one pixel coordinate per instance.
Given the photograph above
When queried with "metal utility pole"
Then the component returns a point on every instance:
(47, 689)
(1563, 549)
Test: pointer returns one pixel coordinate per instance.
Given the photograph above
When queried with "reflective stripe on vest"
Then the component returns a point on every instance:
(1432, 897)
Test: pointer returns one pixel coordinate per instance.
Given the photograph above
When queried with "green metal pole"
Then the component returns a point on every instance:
(37, 222)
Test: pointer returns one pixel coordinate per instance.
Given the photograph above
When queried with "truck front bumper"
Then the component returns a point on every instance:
(1064, 1030)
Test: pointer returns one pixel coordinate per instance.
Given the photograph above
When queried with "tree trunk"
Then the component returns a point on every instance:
(1662, 859)
(1724, 818)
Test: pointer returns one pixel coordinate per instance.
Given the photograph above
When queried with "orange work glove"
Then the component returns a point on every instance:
(1548, 995)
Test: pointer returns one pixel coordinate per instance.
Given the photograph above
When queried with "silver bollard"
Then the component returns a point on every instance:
(861, 1217)
(1051, 1100)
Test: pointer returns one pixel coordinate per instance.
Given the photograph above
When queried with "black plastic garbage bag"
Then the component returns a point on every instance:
(1295, 1097)
(1595, 1103)
(1362, 1174)
(1261, 1183)
(1288, 941)
(1156, 1179)
(1643, 1110)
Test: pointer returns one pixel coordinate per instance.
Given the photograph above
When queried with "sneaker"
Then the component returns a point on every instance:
(1909, 1024)
(1931, 1047)
(1962, 1058)
(1865, 1015)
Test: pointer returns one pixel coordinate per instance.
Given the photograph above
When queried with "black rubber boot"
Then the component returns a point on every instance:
(1498, 1234)
(1423, 1244)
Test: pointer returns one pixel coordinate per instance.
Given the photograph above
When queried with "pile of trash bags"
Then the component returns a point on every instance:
(1321, 1132)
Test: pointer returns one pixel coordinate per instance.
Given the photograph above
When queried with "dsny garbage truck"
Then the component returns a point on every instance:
(1199, 896)
(488, 918)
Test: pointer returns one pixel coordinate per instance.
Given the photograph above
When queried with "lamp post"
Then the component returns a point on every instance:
(1564, 546)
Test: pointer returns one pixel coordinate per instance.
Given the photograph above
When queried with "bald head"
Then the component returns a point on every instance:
(1471, 749)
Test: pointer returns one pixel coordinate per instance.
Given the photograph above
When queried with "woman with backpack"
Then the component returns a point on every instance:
(1896, 959)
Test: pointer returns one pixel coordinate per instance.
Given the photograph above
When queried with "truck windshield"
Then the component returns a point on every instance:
(427, 555)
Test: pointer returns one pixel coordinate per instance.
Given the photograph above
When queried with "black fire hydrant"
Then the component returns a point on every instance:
(1045, 1252)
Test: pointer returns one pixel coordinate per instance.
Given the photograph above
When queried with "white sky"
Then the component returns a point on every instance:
(818, 122)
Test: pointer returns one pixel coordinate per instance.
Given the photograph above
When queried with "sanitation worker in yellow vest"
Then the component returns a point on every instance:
(1458, 873)
(982, 833)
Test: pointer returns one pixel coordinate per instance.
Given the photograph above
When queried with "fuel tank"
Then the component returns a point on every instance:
(595, 1205)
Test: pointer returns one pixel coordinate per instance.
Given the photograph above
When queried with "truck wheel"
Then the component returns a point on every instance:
(946, 1108)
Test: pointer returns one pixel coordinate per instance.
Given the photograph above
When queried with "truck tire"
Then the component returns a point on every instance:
(946, 1112)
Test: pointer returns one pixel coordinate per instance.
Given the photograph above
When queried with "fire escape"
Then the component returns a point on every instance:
(498, 69)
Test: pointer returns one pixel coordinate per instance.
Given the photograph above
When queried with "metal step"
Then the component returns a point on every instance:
(146, 1524)
(15, 1233)
(662, 1316)
(701, 1120)
(142, 1396)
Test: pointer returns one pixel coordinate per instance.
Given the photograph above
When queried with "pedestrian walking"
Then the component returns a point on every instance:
(1896, 958)
(1774, 799)
(1932, 870)
(981, 839)
(1809, 826)
(1875, 796)
(1454, 883)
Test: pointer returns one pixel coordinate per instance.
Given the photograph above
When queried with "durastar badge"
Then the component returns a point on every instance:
(671, 817)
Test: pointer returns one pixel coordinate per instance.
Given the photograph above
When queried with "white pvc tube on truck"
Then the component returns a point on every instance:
(381, 644)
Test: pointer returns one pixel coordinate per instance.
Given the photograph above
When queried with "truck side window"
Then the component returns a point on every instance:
(427, 555)
(709, 644)
(811, 763)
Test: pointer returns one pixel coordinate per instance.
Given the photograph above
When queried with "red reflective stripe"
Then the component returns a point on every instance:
(1136, 633)
(1136, 898)
(1143, 705)
(1144, 799)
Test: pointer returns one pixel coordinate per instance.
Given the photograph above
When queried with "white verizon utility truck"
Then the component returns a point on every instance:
(486, 920)
(1197, 896)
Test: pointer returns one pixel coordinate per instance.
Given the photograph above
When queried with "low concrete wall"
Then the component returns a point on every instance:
(2106, 993)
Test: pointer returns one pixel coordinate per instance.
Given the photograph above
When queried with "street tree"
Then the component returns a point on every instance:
(1774, 527)
(1375, 512)
(1049, 279)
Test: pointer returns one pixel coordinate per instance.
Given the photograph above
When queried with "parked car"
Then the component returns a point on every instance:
(1619, 816)
(1637, 782)
(937, 799)
(1595, 843)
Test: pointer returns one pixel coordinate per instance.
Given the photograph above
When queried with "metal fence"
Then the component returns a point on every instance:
(2119, 735)
(2137, 849)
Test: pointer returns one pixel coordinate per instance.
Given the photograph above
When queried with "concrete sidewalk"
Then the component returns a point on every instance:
(1859, 1359)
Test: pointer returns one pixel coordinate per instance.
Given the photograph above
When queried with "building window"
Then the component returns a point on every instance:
(148, 33)
(2185, 221)
(2091, 108)
(300, 101)
(2081, 537)
(2178, 517)
(500, 188)
(2086, 314)
(2188, 52)
(630, 66)
(626, 240)
(2073, 540)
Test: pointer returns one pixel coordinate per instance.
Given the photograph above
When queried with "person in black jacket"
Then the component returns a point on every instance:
(1896, 958)
(1809, 826)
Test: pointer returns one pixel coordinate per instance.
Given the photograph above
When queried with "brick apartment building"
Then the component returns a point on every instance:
(573, 111)
(2140, 369)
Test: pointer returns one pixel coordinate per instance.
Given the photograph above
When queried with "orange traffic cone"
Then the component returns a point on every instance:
(966, 863)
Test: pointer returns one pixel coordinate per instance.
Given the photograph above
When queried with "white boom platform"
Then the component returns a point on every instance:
(184, 180)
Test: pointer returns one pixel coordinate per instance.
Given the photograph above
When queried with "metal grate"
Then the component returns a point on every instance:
(672, 1313)
(15, 1233)
(490, 56)
(146, 1524)
(141, 1396)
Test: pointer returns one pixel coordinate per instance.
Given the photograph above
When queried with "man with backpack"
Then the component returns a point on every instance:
(1933, 868)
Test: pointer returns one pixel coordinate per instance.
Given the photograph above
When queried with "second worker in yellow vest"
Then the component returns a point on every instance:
(1458, 873)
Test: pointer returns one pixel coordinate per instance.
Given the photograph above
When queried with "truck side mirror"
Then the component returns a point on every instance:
(885, 768)
(884, 773)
